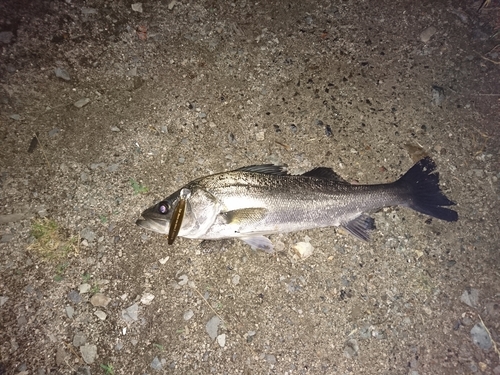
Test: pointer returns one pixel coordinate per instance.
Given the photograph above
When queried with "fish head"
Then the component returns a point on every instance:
(200, 213)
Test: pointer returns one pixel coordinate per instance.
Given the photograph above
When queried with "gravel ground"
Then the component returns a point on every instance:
(109, 106)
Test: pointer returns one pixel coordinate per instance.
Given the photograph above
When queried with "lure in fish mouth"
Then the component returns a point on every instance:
(252, 202)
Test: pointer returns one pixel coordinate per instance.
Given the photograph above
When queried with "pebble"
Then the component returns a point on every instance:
(89, 11)
(89, 352)
(3, 299)
(164, 260)
(119, 345)
(147, 298)
(184, 280)
(84, 370)
(100, 300)
(172, 4)
(236, 279)
(79, 339)
(113, 167)
(15, 117)
(351, 348)
(271, 359)
(60, 355)
(156, 364)
(130, 314)
(137, 7)
(6, 238)
(88, 235)
(427, 34)
(54, 132)
(470, 297)
(480, 337)
(115, 129)
(81, 103)
(6, 36)
(437, 95)
(69, 311)
(74, 296)
(62, 73)
(100, 314)
(84, 288)
(188, 315)
(221, 340)
(212, 326)
(302, 250)
(260, 136)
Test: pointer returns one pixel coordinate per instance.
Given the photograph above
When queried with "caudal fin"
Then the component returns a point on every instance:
(425, 195)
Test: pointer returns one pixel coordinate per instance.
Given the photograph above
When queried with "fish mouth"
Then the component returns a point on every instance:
(155, 225)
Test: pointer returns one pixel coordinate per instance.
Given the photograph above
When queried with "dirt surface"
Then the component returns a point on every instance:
(179, 90)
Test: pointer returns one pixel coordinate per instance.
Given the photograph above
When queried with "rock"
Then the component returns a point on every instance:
(79, 339)
(302, 250)
(427, 34)
(74, 297)
(130, 314)
(84, 370)
(271, 359)
(188, 315)
(480, 337)
(62, 73)
(147, 298)
(89, 353)
(6, 37)
(3, 299)
(89, 11)
(69, 311)
(6, 238)
(81, 103)
(183, 280)
(88, 234)
(115, 129)
(137, 7)
(100, 314)
(99, 300)
(60, 356)
(15, 116)
(221, 340)
(236, 279)
(9, 218)
(437, 96)
(156, 364)
(260, 136)
(172, 4)
(470, 297)
(351, 348)
(212, 326)
(164, 260)
(54, 132)
(84, 288)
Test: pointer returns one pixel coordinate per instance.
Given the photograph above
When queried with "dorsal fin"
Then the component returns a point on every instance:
(278, 170)
(325, 173)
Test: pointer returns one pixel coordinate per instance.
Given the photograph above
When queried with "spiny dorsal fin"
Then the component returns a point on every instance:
(325, 173)
(279, 170)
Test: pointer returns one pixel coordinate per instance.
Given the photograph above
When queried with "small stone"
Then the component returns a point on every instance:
(100, 314)
(260, 136)
(79, 339)
(15, 117)
(351, 348)
(427, 34)
(89, 352)
(147, 298)
(236, 279)
(188, 315)
(6, 37)
(119, 345)
(83, 370)
(69, 311)
(212, 326)
(84, 288)
(221, 340)
(480, 337)
(74, 296)
(115, 129)
(470, 297)
(164, 260)
(156, 364)
(131, 313)
(81, 103)
(3, 299)
(88, 234)
(6, 238)
(302, 250)
(184, 280)
(100, 300)
(54, 132)
(172, 4)
(137, 7)
(89, 11)
(437, 96)
(62, 73)
(271, 359)
(113, 167)
(60, 356)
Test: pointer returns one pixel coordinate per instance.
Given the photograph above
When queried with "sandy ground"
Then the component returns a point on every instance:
(109, 106)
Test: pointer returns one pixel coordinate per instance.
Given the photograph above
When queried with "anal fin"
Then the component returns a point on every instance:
(360, 227)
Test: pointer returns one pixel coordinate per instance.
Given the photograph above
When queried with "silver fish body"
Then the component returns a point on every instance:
(255, 201)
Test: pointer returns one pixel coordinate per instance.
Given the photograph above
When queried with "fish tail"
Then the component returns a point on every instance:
(422, 183)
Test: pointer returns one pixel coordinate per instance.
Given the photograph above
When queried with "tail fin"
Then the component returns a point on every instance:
(425, 195)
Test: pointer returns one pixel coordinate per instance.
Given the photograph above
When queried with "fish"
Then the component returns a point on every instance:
(253, 202)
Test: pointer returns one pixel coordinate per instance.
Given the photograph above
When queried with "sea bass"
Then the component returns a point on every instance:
(252, 202)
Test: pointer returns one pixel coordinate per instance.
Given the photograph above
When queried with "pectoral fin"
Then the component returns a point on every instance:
(259, 242)
(360, 227)
(245, 216)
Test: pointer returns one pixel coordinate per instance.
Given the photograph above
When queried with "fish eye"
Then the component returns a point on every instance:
(163, 208)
